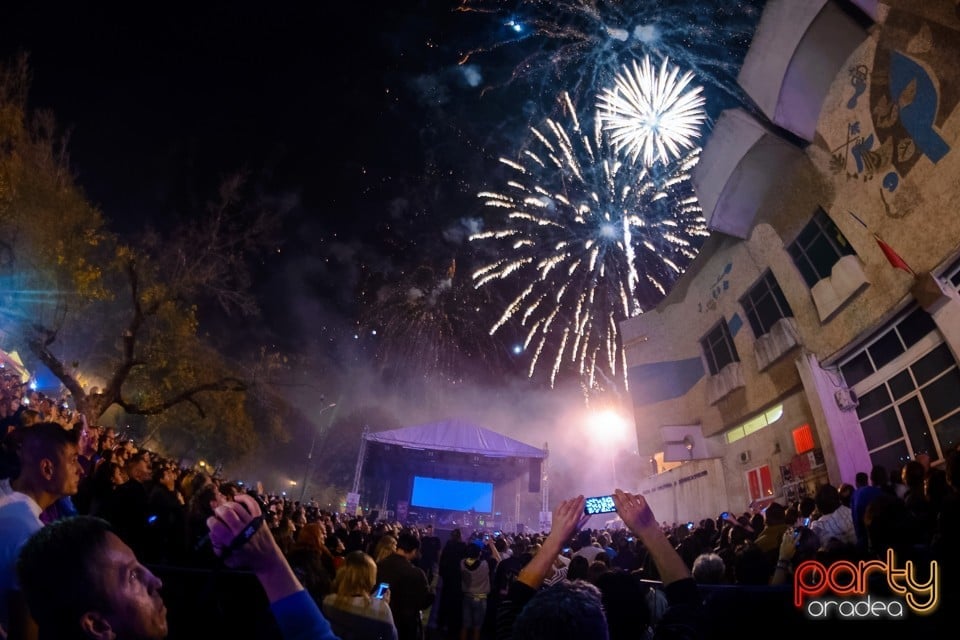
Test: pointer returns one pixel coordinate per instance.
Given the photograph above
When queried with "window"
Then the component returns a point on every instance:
(915, 411)
(718, 348)
(764, 304)
(755, 423)
(760, 483)
(905, 332)
(803, 439)
(818, 247)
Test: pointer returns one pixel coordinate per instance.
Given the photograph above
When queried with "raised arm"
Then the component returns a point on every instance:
(567, 518)
(240, 536)
(636, 514)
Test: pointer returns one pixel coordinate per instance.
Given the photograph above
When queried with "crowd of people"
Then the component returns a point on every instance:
(92, 528)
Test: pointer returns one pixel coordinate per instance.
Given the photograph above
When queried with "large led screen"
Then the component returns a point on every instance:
(456, 495)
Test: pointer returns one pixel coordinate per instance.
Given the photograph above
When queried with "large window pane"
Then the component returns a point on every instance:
(881, 429)
(857, 369)
(766, 482)
(948, 432)
(809, 274)
(768, 313)
(885, 349)
(918, 431)
(808, 234)
(902, 384)
(823, 256)
(933, 364)
(892, 457)
(781, 299)
(718, 348)
(873, 401)
(915, 326)
(943, 395)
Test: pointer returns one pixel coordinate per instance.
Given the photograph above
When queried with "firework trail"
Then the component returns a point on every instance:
(588, 241)
(652, 113)
(584, 43)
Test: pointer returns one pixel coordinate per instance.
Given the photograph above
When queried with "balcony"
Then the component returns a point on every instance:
(776, 343)
(729, 379)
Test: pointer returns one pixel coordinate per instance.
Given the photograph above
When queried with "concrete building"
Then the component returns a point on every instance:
(818, 331)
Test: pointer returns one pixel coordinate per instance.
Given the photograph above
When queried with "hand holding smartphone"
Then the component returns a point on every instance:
(382, 589)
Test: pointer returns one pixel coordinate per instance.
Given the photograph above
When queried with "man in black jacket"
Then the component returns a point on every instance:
(409, 592)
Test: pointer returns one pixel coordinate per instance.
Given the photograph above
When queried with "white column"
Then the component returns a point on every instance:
(942, 302)
(839, 432)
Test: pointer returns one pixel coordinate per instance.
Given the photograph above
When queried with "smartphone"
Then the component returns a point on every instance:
(689, 526)
(724, 515)
(599, 504)
(806, 522)
(381, 590)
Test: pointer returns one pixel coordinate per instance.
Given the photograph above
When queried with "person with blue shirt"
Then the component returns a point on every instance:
(80, 580)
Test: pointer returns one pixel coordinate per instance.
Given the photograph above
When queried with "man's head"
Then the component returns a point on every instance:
(138, 466)
(566, 610)
(861, 480)
(89, 440)
(165, 474)
(81, 581)
(827, 499)
(879, 476)
(108, 438)
(584, 538)
(408, 544)
(49, 465)
(775, 513)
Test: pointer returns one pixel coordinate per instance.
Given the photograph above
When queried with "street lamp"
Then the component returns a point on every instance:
(313, 443)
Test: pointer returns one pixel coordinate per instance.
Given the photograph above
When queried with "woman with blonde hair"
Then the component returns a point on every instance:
(386, 546)
(353, 612)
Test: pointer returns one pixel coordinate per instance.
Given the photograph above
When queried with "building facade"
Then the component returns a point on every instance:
(818, 331)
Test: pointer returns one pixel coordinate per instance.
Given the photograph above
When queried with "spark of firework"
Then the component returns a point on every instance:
(588, 241)
(654, 113)
(584, 43)
(423, 328)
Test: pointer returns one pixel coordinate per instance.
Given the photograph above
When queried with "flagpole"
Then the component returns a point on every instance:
(892, 256)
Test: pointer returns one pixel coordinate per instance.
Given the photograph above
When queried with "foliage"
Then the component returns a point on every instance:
(118, 320)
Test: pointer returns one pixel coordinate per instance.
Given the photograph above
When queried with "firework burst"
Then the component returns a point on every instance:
(584, 43)
(654, 114)
(424, 330)
(588, 241)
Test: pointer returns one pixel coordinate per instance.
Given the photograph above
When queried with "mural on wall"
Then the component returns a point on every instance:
(721, 284)
(913, 86)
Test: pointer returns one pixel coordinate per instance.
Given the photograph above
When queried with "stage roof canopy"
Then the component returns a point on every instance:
(459, 436)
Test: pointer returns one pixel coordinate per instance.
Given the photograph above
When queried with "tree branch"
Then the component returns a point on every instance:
(40, 346)
(187, 395)
(112, 391)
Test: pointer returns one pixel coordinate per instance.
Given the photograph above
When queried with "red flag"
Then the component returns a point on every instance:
(892, 256)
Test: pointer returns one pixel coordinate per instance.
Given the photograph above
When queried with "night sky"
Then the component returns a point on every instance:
(355, 119)
(339, 116)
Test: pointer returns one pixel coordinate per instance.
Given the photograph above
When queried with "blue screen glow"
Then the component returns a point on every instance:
(457, 495)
